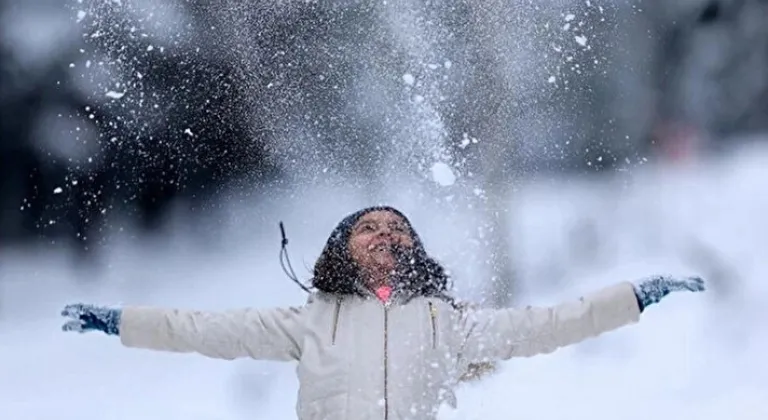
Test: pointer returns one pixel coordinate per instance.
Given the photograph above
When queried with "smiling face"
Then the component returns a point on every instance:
(371, 244)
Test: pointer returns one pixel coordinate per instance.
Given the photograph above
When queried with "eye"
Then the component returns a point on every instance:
(366, 227)
(400, 228)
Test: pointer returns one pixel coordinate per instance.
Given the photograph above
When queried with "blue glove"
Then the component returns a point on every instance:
(652, 289)
(91, 318)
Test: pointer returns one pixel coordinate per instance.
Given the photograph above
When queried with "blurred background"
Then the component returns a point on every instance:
(148, 150)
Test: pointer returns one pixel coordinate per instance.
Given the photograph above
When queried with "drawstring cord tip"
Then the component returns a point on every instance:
(285, 262)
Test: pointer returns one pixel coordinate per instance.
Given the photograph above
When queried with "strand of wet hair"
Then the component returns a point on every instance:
(285, 261)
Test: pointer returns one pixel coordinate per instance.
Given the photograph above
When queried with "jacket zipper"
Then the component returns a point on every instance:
(386, 370)
(336, 311)
(433, 321)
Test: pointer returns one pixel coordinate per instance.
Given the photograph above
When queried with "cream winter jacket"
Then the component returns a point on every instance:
(359, 359)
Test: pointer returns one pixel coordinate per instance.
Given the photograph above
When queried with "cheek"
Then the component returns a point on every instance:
(406, 240)
(356, 248)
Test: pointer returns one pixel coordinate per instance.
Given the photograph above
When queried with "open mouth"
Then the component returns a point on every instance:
(380, 247)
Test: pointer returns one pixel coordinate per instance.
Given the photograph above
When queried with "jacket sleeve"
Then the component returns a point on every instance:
(492, 334)
(267, 334)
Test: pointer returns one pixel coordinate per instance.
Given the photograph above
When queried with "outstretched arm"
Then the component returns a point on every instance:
(267, 334)
(502, 334)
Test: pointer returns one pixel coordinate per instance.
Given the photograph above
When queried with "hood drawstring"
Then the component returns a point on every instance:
(285, 262)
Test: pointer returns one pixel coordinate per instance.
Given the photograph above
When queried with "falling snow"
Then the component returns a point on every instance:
(179, 98)
(115, 95)
(443, 174)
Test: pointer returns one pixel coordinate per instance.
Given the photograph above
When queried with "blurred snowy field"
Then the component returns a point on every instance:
(693, 357)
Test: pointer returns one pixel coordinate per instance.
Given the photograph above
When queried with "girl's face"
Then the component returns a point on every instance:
(372, 239)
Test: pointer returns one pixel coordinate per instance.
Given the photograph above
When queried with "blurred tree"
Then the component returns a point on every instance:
(176, 131)
(709, 73)
(179, 100)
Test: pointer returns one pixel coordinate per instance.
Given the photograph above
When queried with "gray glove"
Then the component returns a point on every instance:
(652, 289)
(86, 318)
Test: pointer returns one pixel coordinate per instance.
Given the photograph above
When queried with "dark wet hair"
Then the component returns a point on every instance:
(337, 273)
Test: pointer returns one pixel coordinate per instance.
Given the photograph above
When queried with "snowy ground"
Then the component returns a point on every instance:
(692, 357)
